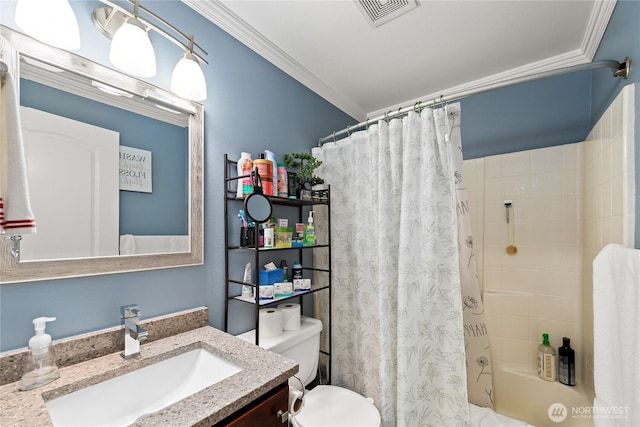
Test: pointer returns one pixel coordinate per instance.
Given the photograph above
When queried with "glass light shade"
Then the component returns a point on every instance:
(132, 51)
(50, 21)
(188, 79)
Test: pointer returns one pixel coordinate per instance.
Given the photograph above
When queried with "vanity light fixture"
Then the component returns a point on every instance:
(187, 80)
(131, 49)
(51, 21)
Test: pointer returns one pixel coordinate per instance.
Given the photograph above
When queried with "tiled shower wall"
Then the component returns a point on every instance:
(567, 203)
(607, 202)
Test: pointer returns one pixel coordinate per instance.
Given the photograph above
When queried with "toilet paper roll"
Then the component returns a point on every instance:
(296, 401)
(271, 322)
(291, 312)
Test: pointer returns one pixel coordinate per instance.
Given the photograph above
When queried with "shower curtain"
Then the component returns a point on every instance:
(397, 309)
(479, 377)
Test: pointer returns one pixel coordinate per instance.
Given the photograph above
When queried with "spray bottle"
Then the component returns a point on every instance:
(309, 232)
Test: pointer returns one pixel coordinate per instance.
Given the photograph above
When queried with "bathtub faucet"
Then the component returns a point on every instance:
(133, 332)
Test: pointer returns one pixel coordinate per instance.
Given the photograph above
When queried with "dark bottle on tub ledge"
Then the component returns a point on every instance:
(566, 363)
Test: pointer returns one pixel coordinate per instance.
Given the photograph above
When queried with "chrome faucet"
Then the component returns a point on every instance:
(133, 332)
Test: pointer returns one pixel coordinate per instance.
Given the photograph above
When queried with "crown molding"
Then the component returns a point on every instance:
(235, 26)
(495, 81)
(232, 24)
(597, 25)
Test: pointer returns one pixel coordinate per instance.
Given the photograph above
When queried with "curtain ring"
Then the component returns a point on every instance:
(416, 107)
(442, 101)
(334, 137)
(366, 123)
(348, 130)
(319, 142)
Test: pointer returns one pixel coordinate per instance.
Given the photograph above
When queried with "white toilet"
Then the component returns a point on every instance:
(325, 405)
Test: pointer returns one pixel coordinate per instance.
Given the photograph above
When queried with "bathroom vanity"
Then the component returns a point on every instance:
(259, 391)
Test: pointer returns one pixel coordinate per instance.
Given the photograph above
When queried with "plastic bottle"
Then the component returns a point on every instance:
(247, 291)
(566, 363)
(283, 266)
(41, 365)
(268, 236)
(309, 232)
(282, 180)
(546, 360)
(270, 155)
(296, 270)
(265, 170)
(245, 164)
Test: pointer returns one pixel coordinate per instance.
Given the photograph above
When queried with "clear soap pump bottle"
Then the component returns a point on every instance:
(40, 367)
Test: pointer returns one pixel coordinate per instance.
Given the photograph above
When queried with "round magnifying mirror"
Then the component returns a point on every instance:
(258, 207)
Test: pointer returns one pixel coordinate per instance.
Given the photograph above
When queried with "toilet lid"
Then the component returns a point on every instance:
(331, 406)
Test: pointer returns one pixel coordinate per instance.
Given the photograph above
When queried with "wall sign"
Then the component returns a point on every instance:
(135, 169)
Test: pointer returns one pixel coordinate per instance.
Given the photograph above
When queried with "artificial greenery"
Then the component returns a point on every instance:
(305, 164)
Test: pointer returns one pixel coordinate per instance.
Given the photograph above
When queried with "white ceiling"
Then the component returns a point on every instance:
(439, 48)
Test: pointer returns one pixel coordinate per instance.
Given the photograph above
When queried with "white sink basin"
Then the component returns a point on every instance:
(122, 400)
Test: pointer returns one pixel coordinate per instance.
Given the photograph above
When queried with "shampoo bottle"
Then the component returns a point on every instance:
(245, 165)
(309, 232)
(546, 360)
(296, 270)
(270, 155)
(566, 363)
(41, 365)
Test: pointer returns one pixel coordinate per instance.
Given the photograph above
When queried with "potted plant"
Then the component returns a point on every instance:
(305, 164)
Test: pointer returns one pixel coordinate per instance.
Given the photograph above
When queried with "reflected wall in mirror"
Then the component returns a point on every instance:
(86, 224)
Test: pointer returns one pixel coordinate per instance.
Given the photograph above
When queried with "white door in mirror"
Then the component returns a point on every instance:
(85, 183)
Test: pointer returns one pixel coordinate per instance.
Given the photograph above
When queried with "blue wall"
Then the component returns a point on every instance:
(559, 110)
(166, 209)
(252, 106)
(621, 39)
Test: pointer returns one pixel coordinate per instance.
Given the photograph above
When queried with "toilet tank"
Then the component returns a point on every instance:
(302, 345)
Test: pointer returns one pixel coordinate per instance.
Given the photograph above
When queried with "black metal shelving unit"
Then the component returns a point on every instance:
(231, 202)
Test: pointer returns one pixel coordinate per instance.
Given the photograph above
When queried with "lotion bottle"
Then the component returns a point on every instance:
(41, 365)
(566, 363)
(546, 360)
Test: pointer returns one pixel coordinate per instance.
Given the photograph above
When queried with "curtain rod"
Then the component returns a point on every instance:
(619, 69)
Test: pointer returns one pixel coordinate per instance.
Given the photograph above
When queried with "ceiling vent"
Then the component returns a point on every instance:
(379, 12)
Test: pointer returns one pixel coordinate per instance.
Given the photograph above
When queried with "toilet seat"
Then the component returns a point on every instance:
(332, 406)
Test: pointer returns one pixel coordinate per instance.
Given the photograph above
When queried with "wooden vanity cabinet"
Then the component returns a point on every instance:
(266, 411)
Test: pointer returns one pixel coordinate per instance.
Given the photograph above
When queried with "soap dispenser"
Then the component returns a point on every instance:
(40, 368)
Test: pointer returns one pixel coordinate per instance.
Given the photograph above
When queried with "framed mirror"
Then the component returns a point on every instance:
(146, 211)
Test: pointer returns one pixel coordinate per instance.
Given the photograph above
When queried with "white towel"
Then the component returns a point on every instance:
(616, 320)
(16, 217)
(131, 245)
(127, 244)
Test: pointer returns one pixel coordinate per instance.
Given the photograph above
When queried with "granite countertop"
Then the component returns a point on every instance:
(262, 371)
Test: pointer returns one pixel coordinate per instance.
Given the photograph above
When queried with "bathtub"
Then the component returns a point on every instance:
(522, 395)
